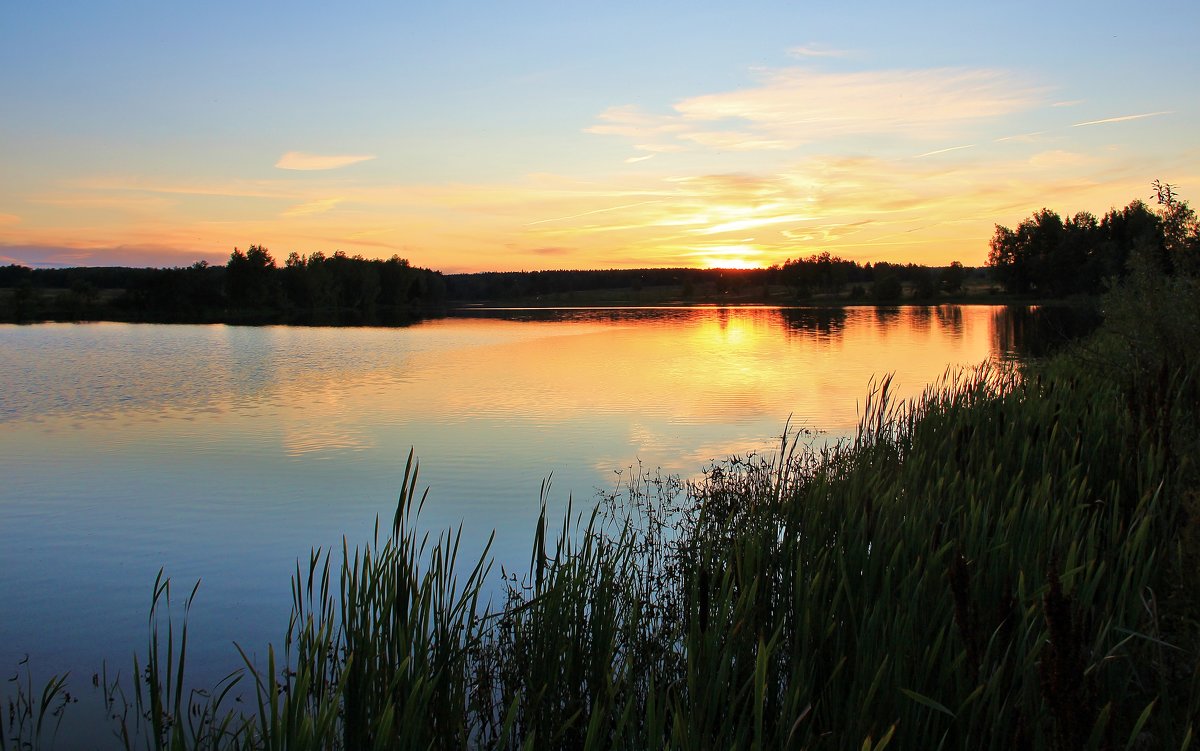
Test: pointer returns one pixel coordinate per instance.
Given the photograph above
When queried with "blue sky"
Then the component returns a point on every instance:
(471, 136)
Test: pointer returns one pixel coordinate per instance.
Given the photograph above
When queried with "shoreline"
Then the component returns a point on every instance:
(390, 318)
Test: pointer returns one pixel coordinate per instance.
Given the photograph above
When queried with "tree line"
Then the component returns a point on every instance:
(250, 288)
(1049, 256)
(816, 278)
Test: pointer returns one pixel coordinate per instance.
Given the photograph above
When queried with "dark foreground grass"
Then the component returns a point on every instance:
(1000, 564)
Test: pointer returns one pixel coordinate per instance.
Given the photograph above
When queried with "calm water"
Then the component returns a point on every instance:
(224, 454)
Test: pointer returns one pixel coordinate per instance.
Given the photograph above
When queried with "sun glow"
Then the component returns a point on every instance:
(728, 256)
(731, 263)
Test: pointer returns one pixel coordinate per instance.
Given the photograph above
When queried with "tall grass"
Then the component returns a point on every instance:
(995, 565)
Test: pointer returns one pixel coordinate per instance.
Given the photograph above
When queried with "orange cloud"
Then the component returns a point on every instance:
(298, 160)
(319, 206)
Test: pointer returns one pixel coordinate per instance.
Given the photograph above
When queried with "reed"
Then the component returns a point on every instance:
(27, 714)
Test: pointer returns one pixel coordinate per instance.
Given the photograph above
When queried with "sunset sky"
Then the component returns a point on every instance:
(470, 136)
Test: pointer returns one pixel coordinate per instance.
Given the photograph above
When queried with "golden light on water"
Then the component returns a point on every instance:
(692, 366)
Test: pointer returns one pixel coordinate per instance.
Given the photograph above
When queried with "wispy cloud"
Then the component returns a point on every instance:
(815, 50)
(6, 219)
(1123, 118)
(789, 107)
(298, 160)
(229, 188)
(659, 148)
(1059, 159)
(629, 121)
(589, 213)
(1068, 103)
(737, 141)
(310, 208)
(738, 225)
(827, 232)
(808, 103)
(636, 159)
(118, 201)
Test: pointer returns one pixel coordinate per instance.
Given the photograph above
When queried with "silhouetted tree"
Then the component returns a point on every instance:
(1051, 257)
(250, 281)
(1072, 267)
(952, 277)
(13, 275)
(887, 287)
(821, 272)
(924, 285)
(1180, 229)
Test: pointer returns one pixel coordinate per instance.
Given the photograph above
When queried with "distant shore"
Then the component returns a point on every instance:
(64, 305)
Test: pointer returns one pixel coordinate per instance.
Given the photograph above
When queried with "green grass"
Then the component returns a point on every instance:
(998, 564)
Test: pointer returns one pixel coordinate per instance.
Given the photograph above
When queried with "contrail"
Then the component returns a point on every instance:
(943, 151)
(1122, 119)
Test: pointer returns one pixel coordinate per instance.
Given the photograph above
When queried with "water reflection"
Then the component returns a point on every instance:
(1037, 331)
(90, 370)
(950, 319)
(886, 314)
(825, 322)
(650, 315)
(921, 317)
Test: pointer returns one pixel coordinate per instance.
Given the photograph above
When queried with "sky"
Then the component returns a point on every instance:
(474, 136)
